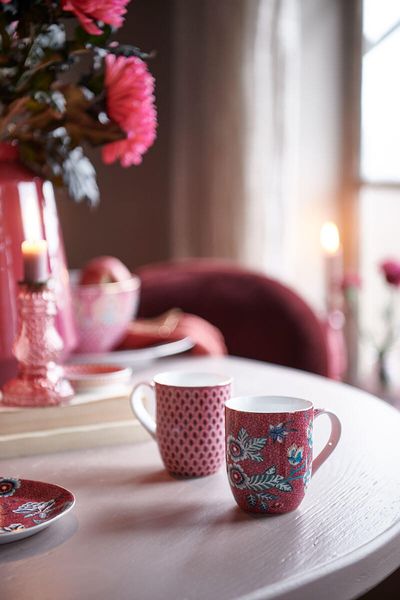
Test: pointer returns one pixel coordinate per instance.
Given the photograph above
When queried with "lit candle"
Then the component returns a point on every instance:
(34, 256)
(333, 264)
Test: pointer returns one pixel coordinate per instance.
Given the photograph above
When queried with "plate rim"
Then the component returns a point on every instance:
(21, 533)
(129, 357)
(114, 374)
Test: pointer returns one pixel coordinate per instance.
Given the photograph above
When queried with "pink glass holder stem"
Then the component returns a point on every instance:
(38, 346)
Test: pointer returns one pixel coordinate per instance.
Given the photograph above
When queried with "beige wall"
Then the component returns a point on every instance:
(132, 221)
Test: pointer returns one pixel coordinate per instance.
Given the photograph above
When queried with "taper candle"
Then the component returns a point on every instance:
(34, 256)
(333, 265)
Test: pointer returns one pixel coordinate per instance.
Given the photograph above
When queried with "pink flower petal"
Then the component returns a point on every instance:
(130, 103)
(88, 11)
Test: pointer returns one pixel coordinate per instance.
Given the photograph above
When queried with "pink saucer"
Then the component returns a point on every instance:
(88, 377)
(28, 506)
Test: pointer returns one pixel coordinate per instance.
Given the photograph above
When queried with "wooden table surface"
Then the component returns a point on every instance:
(136, 533)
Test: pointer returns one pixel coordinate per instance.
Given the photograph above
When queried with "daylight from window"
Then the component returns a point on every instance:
(379, 167)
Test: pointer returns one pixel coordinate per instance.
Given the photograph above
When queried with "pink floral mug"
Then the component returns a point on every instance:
(269, 450)
(189, 424)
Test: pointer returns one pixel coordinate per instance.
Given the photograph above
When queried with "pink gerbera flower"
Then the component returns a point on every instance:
(130, 103)
(88, 11)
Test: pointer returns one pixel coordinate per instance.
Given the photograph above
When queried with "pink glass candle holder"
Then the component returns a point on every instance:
(38, 346)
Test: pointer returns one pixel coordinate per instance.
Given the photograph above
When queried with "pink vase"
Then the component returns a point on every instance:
(28, 211)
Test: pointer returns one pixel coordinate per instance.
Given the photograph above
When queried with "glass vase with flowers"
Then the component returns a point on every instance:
(53, 106)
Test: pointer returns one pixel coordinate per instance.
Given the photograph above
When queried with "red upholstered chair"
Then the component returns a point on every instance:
(259, 317)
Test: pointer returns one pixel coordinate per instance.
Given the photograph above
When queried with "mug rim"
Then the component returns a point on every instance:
(221, 380)
(231, 404)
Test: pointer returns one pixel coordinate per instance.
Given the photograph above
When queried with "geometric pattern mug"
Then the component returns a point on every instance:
(189, 424)
(269, 450)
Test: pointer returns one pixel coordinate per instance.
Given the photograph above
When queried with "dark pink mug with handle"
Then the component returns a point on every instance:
(269, 450)
(189, 424)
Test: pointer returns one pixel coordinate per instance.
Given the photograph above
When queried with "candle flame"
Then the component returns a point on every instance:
(34, 247)
(329, 236)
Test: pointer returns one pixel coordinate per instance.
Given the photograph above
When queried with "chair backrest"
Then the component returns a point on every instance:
(259, 317)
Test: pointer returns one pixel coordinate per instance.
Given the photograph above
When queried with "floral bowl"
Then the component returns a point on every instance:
(103, 311)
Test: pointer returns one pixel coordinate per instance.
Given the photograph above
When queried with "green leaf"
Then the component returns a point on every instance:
(255, 444)
(86, 39)
(268, 479)
(251, 500)
(128, 50)
(80, 177)
(243, 436)
(270, 471)
(283, 486)
(267, 496)
(261, 482)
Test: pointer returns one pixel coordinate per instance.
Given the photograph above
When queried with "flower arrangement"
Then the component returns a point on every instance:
(390, 269)
(52, 109)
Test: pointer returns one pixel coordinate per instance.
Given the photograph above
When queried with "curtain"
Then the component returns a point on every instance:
(235, 126)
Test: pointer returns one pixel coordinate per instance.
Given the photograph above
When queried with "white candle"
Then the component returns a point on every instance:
(34, 256)
(333, 264)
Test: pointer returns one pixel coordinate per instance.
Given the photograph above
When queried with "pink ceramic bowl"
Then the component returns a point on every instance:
(102, 312)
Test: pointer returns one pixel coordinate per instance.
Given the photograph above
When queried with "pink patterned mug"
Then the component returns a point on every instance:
(189, 426)
(269, 442)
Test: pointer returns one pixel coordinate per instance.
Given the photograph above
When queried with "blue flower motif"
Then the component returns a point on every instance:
(307, 477)
(310, 434)
(8, 486)
(278, 432)
(295, 454)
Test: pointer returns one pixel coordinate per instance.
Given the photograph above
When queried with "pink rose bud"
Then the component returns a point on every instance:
(391, 271)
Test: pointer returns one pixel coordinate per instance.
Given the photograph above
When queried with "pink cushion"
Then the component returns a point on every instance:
(259, 317)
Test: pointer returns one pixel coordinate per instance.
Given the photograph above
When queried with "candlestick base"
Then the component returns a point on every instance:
(40, 380)
(37, 390)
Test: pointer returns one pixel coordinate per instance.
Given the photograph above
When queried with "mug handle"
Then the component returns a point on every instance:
(137, 406)
(336, 429)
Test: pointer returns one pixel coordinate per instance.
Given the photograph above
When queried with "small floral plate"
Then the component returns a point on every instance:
(27, 507)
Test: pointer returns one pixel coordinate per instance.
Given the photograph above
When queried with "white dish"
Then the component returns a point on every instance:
(89, 377)
(131, 357)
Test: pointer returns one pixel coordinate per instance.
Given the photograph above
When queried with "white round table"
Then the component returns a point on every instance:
(137, 533)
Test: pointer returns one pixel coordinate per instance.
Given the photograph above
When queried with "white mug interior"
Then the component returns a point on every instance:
(268, 404)
(186, 379)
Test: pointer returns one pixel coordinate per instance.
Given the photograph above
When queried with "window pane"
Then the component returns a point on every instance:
(380, 131)
(380, 239)
(378, 17)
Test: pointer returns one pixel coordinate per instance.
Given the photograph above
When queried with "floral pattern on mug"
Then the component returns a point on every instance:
(244, 446)
(279, 432)
(310, 434)
(295, 454)
(263, 485)
(237, 477)
(307, 477)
